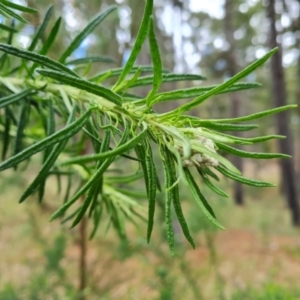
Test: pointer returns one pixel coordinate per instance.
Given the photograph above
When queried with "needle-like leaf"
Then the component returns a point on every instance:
(200, 199)
(173, 192)
(84, 33)
(41, 30)
(255, 155)
(7, 12)
(38, 58)
(58, 136)
(8, 100)
(242, 179)
(142, 34)
(83, 85)
(48, 163)
(157, 64)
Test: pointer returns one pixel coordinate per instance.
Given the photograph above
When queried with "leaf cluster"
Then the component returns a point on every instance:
(85, 127)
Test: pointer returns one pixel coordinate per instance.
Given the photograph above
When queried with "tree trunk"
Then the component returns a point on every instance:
(82, 258)
(296, 29)
(235, 101)
(288, 173)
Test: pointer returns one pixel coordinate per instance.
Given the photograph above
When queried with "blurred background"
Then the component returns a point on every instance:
(258, 256)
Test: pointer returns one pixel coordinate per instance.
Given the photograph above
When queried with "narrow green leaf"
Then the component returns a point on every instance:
(141, 154)
(83, 85)
(50, 129)
(71, 216)
(255, 155)
(209, 184)
(210, 173)
(58, 136)
(105, 143)
(8, 100)
(84, 33)
(141, 36)
(168, 202)
(200, 199)
(3, 58)
(117, 71)
(38, 58)
(51, 158)
(97, 141)
(41, 30)
(174, 193)
(224, 138)
(265, 138)
(49, 42)
(51, 118)
(90, 59)
(255, 116)
(95, 177)
(97, 218)
(123, 179)
(169, 77)
(97, 195)
(223, 86)
(156, 61)
(229, 127)
(118, 221)
(22, 120)
(92, 132)
(6, 136)
(7, 28)
(5, 11)
(99, 185)
(87, 201)
(242, 179)
(98, 190)
(151, 188)
(132, 97)
(196, 91)
(127, 83)
(18, 7)
(132, 193)
(68, 189)
(40, 178)
(121, 148)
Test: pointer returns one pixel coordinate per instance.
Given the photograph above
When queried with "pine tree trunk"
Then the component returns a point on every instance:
(288, 173)
(82, 258)
(235, 101)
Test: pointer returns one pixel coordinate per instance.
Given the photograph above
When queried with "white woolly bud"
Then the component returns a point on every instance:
(187, 163)
(197, 159)
(209, 144)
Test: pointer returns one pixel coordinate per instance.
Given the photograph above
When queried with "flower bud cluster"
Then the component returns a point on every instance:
(197, 158)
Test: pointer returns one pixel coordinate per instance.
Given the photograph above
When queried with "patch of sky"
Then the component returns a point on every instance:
(213, 8)
(289, 57)
(221, 64)
(239, 33)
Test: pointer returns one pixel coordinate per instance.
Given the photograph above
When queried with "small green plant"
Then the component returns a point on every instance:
(49, 108)
(269, 291)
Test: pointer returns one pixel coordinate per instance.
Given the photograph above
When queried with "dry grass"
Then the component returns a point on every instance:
(258, 247)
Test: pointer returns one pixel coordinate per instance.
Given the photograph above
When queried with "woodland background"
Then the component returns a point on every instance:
(258, 256)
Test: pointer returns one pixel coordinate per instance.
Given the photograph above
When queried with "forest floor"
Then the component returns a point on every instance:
(257, 257)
